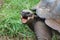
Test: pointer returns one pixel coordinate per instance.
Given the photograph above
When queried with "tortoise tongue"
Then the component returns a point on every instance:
(24, 20)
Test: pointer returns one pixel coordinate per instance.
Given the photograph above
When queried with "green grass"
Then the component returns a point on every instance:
(10, 18)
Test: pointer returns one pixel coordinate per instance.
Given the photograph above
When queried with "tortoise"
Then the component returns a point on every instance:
(36, 24)
(50, 10)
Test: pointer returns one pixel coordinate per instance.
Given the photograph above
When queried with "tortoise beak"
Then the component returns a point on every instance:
(26, 19)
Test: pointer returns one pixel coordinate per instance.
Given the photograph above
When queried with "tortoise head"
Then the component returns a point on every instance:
(27, 16)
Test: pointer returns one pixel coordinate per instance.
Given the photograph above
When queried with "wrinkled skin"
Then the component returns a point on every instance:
(50, 10)
(37, 25)
(42, 31)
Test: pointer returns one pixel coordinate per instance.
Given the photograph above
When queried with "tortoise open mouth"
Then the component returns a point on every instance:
(27, 15)
(24, 19)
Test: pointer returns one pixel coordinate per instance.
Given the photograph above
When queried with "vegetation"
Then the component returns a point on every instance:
(10, 18)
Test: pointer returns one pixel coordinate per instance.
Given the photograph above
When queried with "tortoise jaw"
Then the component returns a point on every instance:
(26, 19)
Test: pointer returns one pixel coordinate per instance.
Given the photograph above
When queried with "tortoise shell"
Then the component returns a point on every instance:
(50, 10)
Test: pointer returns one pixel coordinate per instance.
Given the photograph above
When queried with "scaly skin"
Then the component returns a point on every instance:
(42, 31)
